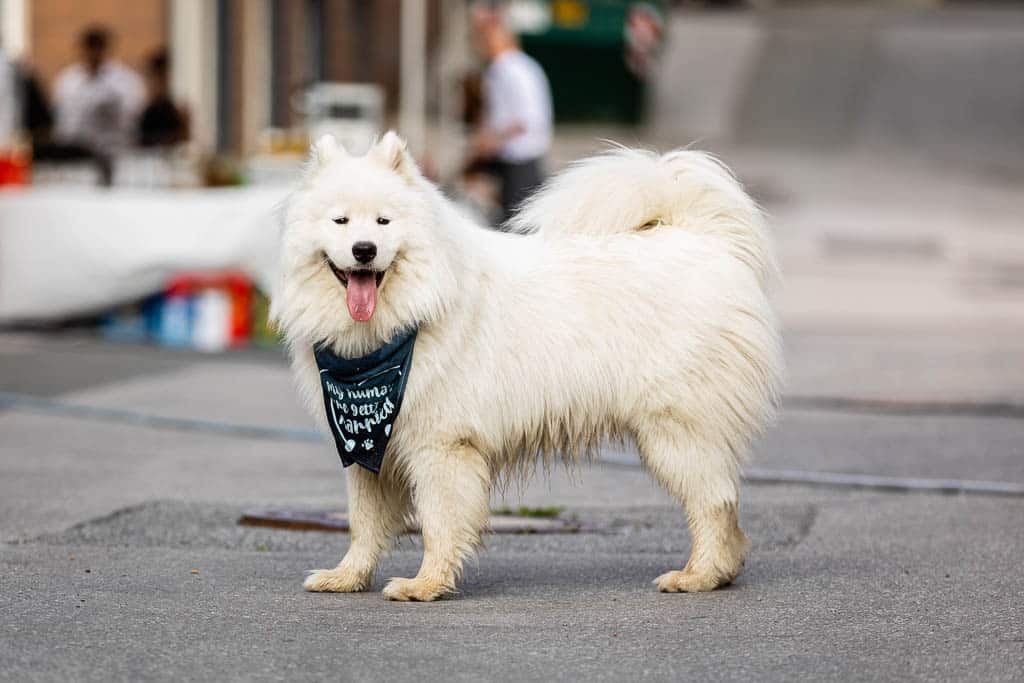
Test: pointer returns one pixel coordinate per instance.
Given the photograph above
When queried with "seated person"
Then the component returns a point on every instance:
(162, 123)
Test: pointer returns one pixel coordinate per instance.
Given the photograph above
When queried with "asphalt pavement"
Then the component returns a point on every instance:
(124, 470)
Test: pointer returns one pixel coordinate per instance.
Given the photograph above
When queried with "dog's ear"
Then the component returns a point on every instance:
(325, 150)
(392, 151)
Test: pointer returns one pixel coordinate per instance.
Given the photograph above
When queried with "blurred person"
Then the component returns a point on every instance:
(477, 186)
(36, 113)
(162, 122)
(97, 101)
(26, 120)
(515, 133)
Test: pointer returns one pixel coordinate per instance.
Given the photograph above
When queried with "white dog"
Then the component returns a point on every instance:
(635, 307)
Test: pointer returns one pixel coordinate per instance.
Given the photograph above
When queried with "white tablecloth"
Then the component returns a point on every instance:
(70, 252)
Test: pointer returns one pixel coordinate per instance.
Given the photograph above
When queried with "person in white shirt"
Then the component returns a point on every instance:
(517, 126)
(97, 100)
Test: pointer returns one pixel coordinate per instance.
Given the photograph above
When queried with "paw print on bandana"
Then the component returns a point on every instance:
(368, 444)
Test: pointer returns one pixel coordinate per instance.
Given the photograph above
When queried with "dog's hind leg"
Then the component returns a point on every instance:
(377, 514)
(451, 495)
(703, 476)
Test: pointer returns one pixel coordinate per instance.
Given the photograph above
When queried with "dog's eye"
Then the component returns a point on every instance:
(341, 220)
(383, 221)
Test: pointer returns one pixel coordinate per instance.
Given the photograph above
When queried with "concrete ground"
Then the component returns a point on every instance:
(903, 304)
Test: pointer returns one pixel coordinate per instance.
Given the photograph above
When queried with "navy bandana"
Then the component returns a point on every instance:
(362, 397)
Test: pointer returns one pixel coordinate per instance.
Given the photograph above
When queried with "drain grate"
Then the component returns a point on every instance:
(337, 521)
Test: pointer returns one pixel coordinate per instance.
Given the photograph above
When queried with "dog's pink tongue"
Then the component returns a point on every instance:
(361, 295)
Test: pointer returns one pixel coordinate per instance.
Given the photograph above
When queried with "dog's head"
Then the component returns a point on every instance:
(362, 254)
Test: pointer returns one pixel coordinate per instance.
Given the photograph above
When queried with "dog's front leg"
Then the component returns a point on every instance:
(376, 515)
(450, 492)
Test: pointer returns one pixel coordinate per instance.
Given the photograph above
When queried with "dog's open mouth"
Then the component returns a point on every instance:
(361, 286)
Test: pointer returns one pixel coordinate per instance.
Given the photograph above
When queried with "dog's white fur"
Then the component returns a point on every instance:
(637, 307)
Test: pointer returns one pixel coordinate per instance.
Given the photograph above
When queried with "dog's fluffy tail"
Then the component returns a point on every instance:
(627, 190)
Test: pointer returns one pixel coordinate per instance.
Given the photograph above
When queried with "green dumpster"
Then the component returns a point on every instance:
(583, 50)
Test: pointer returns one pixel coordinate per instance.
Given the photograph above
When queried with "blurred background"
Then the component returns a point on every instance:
(113, 110)
(146, 148)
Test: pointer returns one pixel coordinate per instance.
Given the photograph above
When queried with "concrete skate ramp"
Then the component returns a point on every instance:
(945, 83)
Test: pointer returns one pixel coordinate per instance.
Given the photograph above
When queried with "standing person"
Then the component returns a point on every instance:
(516, 131)
(97, 100)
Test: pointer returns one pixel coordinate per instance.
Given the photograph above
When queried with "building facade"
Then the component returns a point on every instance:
(239, 66)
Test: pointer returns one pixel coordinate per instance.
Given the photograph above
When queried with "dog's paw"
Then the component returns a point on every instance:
(415, 590)
(335, 581)
(687, 582)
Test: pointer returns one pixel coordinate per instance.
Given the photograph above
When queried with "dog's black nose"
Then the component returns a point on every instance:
(364, 251)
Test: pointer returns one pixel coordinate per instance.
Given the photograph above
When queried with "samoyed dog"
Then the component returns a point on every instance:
(630, 300)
